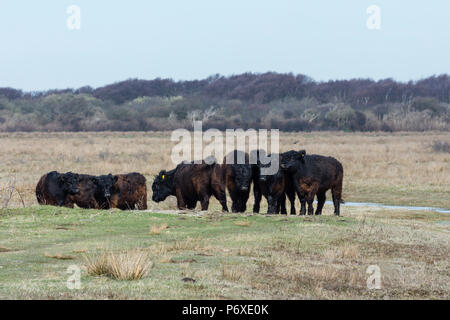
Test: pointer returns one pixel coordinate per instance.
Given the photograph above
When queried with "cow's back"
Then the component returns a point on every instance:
(40, 190)
(326, 170)
(129, 192)
(48, 192)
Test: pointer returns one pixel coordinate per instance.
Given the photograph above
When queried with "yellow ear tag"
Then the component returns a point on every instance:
(163, 176)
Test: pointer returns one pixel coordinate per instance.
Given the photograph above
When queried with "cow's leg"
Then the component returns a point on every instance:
(143, 201)
(271, 205)
(219, 193)
(244, 199)
(282, 201)
(205, 203)
(257, 194)
(321, 197)
(278, 206)
(301, 196)
(310, 205)
(310, 198)
(337, 198)
(234, 201)
(302, 199)
(235, 204)
(180, 201)
(291, 196)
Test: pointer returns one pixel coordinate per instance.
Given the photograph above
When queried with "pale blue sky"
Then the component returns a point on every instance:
(193, 39)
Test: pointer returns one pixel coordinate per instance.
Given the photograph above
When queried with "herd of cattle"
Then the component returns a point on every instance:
(306, 176)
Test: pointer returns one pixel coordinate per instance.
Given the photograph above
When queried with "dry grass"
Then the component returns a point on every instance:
(244, 223)
(80, 250)
(286, 258)
(188, 244)
(232, 273)
(59, 256)
(156, 230)
(275, 257)
(395, 168)
(126, 265)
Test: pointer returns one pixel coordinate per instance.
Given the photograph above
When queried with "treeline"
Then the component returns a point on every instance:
(271, 100)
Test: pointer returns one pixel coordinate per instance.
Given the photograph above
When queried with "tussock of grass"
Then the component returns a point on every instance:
(126, 265)
(232, 273)
(156, 230)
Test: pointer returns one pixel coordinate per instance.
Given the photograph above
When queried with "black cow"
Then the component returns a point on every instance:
(314, 175)
(191, 183)
(274, 187)
(95, 191)
(54, 188)
(238, 178)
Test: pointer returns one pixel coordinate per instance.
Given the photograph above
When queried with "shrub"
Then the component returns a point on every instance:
(126, 265)
(441, 146)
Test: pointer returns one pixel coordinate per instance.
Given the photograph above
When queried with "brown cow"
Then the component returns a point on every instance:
(94, 191)
(190, 183)
(129, 192)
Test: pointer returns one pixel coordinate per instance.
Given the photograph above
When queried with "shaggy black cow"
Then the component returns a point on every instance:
(274, 187)
(129, 192)
(314, 175)
(191, 183)
(54, 188)
(238, 175)
(95, 191)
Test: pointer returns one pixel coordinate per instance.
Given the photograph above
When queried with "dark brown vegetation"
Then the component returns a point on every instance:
(270, 100)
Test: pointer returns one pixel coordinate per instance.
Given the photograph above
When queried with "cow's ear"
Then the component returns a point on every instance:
(302, 154)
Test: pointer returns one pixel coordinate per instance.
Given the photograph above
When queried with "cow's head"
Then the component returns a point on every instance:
(162, 186)
(268, 177)
(292, 159)
(69, 182)
(242, 176)
(105, 184)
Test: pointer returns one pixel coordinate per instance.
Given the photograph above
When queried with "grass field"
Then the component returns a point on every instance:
(229, 256)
